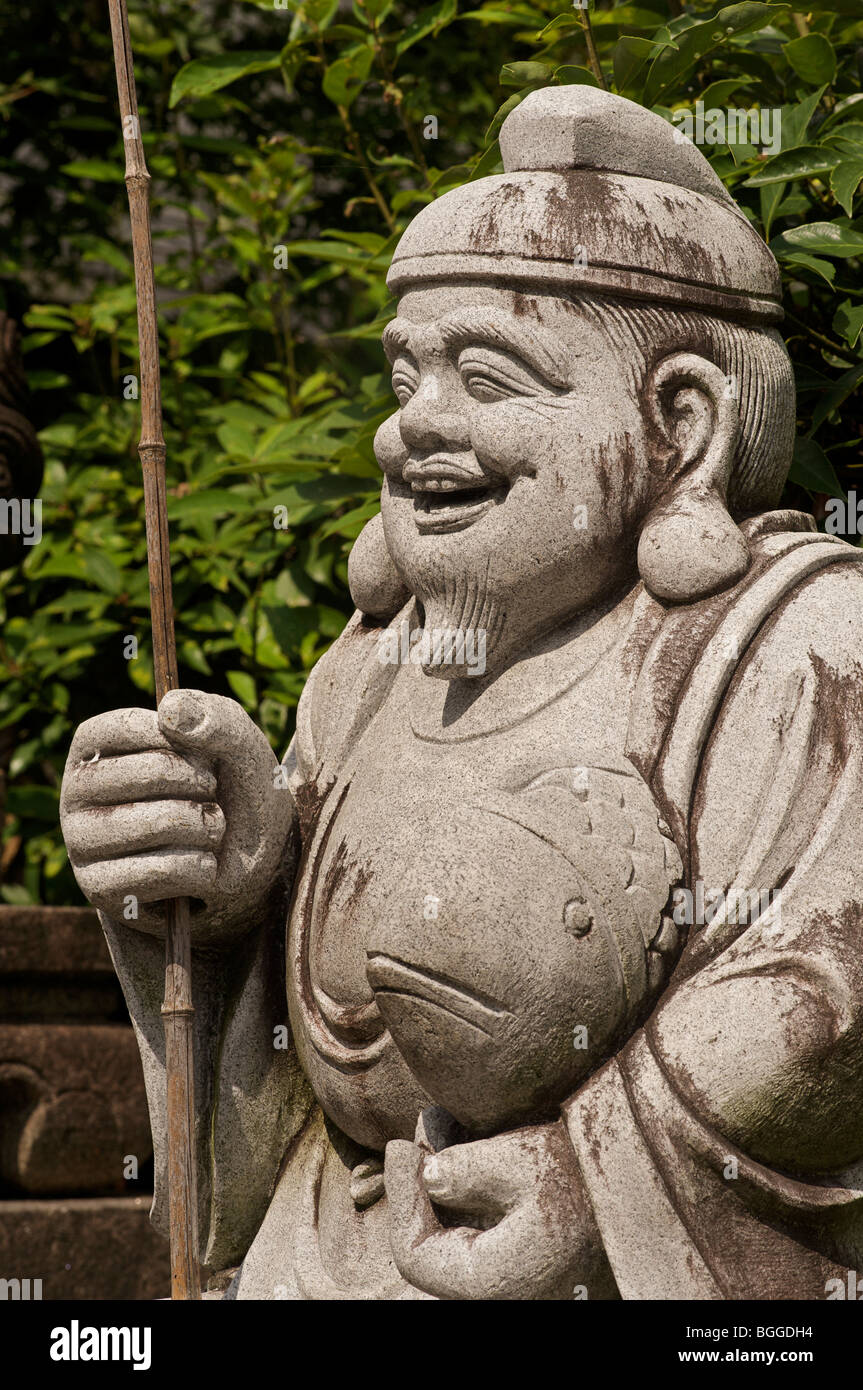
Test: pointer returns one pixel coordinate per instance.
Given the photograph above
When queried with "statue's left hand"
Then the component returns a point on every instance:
(532, 1234)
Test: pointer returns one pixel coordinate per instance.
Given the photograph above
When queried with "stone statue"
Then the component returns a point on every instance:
(570, 1000)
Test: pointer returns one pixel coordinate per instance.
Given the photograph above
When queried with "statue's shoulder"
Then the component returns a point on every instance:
(802, 607)
(802, 593)
(820, 618)
(796, 617)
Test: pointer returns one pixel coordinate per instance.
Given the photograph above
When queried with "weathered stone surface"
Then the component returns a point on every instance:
(72, 1099)
(52, 941)
(73, 1106)
(54, 964)
(85, 1248)
(561, 871)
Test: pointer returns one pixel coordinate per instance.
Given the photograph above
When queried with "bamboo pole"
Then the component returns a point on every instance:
(177, 1010)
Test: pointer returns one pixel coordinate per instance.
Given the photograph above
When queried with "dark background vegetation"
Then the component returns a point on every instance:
(305, 129)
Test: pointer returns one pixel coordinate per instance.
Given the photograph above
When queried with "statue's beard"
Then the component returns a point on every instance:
(464, 616)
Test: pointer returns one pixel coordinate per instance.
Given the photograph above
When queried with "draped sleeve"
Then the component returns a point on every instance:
(722, 1149)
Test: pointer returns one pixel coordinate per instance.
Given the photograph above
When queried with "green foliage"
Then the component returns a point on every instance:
(288, 149)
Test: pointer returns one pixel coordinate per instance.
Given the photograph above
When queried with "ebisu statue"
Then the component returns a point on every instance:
(535, 970)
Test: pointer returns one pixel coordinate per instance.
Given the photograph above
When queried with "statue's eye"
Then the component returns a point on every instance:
(490, 375)
(405, 379)
(484, 388)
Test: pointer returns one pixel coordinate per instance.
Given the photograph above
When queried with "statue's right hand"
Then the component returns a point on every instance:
(183, 802)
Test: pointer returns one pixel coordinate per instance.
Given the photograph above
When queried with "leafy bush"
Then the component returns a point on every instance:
(288, 149)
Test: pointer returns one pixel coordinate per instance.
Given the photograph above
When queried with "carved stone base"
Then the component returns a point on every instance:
(85, 1248)
(73, 1115)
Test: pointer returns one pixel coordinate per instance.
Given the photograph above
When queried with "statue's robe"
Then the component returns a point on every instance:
(721, 1148)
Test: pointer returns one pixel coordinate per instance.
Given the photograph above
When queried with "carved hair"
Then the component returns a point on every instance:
(755, 361)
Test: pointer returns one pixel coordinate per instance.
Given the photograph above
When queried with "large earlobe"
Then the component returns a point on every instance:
(376, 587)
(689, 545)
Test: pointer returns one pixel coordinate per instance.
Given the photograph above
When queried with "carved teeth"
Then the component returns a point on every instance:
(444, 485)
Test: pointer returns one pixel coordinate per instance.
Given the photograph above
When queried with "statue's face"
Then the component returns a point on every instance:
(516, 469)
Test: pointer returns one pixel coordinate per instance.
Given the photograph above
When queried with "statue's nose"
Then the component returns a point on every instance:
(429, 421)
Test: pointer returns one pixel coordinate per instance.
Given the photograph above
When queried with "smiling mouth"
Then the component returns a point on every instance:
(445, 499)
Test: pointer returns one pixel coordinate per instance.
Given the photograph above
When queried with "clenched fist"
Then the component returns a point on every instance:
(186, 801)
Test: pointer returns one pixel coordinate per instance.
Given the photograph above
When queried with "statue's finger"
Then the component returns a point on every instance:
(459, 1262)
(485, 1178)
(121, 731)
(131, 777)
(148, 878)
(112, 831)
(463, 1183)
(217, 727)
(411, 1214)
(194, 719)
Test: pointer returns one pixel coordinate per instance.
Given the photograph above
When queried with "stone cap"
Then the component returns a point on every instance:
(585, 128)
(599, 194)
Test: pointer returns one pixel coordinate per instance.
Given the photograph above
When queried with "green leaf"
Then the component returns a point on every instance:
(501, 114)
(845, 180)
(825, 269)
(46, 380)
(627, 17)
(99, 169)
(211, 502)
(16, 894)
(813, 58)
(795, 119)
(244, 688)
(718, 93)
(621, 16)
(838, 393)
(34, 803)
(103, 571)
(520, 74)
(190, 653)
(812, 469)
(629, 58)
(344, 79)
(493, 14)
(337, 251)
(316, 14)
(560, 24)
(851, 8)
(697, 41)
(352, 522)
(770, 199)
(847, 140)
(376, 10)
(848, 321)
(203, 76)
(487, 162)
(236, 439)
(429, 21)
(571, 75)
(820, 238)
(802, 163)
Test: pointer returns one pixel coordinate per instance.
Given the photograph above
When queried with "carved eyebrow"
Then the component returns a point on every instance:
(478, 325)
(396, 336)
(507, 332)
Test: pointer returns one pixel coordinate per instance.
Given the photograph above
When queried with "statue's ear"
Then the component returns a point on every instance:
(689, 545)
(376, 587)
